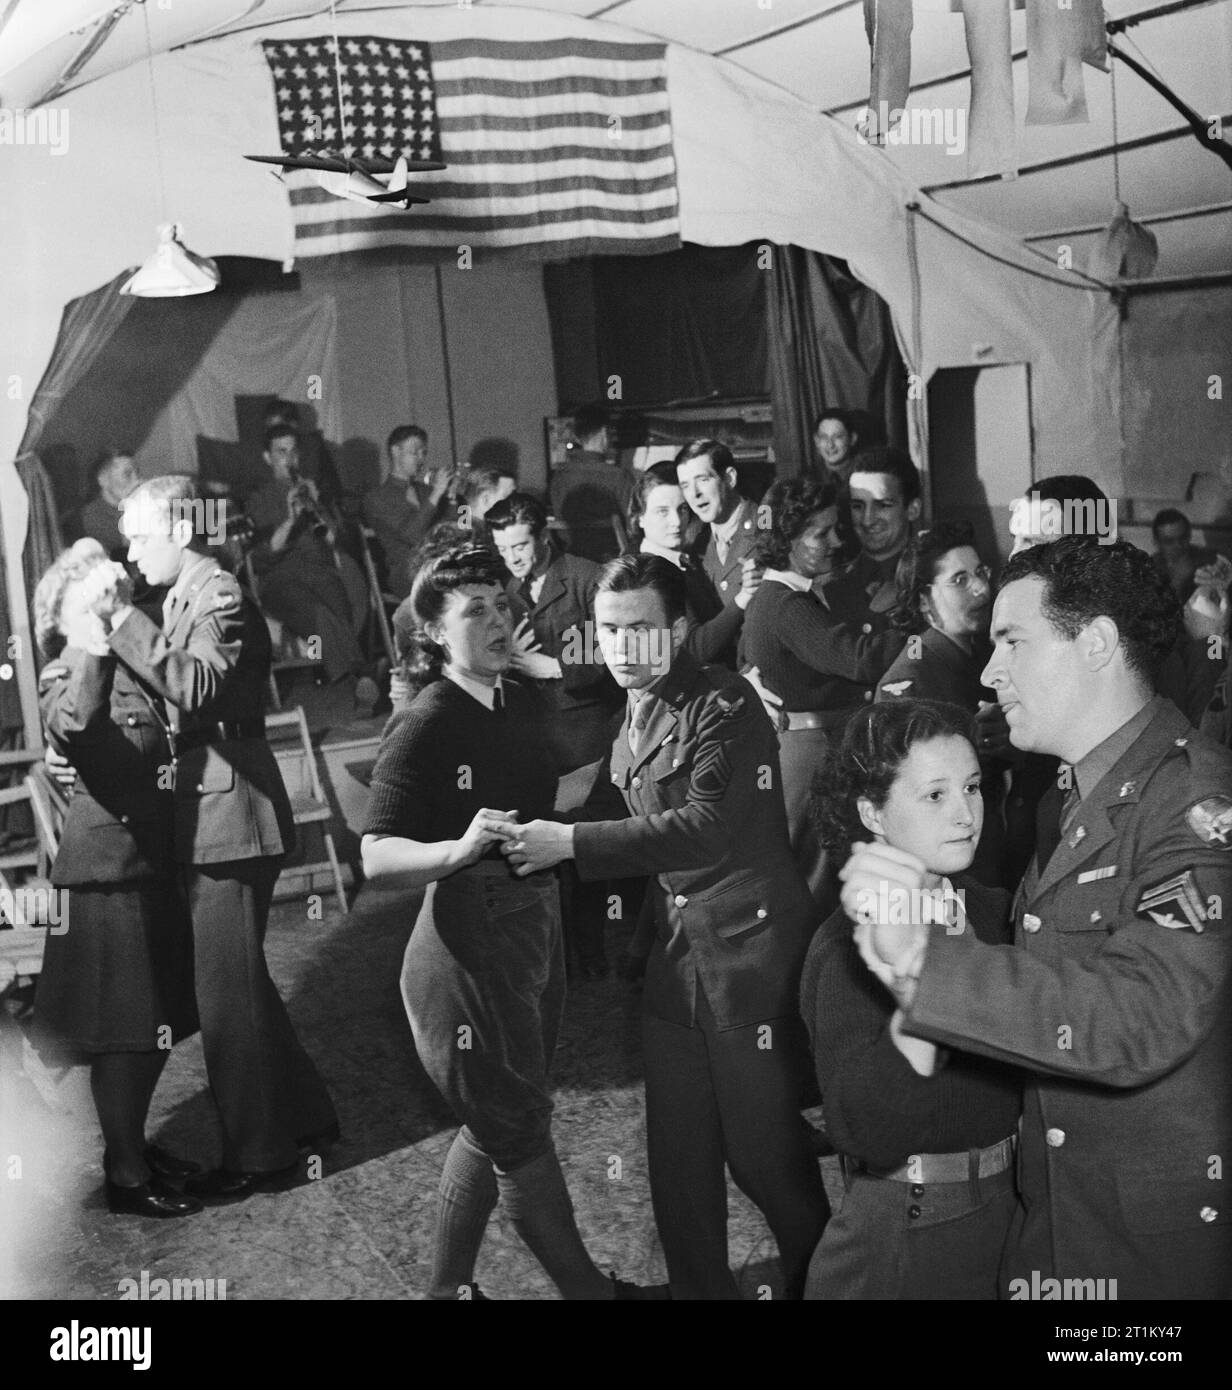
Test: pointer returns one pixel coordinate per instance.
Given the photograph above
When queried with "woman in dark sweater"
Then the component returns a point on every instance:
(820, 668)
(944, 601)
(483, 978)
(926, 1137)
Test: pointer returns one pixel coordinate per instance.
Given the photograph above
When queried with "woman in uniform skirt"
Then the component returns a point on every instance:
(483, 978)
(926, 1141)
(116, 987)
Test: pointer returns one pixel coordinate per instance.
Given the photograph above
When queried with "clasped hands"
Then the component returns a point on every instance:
(107, 589)
(883, 890)
(530, 848)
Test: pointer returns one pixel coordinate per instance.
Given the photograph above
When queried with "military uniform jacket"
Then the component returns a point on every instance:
(118, 827)
(705, 802)
(211, 666)
(726, 574)
(1117, 998)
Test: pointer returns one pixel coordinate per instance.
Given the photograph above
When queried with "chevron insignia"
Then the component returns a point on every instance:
(1174, 903)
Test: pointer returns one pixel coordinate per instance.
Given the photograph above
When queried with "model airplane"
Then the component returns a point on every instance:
(347, 176)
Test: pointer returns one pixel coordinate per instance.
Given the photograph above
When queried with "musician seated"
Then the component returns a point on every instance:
(300, 571)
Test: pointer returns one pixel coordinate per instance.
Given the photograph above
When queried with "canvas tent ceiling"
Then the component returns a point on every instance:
(815, 49)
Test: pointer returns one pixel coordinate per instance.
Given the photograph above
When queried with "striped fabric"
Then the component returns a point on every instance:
(555, 149)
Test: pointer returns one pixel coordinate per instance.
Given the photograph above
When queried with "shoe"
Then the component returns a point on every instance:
(153, 1198)
(167, 1165)
(321, 1140)
(224, 1184)
(624, 1292)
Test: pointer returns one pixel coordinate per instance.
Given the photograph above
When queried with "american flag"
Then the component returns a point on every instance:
(560, 148)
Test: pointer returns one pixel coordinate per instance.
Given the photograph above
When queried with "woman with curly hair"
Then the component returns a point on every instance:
(926, 1141)
(117, 985)
(944, 603)
(821, 669)
(483, 979)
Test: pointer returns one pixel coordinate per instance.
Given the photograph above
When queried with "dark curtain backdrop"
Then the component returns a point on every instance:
(831, 343)
(681, 325)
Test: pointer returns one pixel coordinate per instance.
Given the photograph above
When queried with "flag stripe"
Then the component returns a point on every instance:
(565, 143)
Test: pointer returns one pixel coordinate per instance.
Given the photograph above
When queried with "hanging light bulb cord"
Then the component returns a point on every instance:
(158, 144)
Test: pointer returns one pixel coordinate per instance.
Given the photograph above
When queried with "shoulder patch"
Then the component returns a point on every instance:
(731, 705)
(1211, 821)
(1175, 903)
(897, 688)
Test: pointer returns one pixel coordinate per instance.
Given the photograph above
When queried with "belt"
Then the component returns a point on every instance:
(934, 1168)
(217, 733)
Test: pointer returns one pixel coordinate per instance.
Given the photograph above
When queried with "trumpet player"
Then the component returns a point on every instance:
(297, 564)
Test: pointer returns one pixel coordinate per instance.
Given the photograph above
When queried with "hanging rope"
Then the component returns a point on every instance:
(1116, 138)
(158, 144)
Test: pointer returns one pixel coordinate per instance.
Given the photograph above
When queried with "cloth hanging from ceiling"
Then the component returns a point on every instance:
(831, 343)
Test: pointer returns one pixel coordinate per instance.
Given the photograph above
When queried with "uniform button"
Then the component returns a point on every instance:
(680, 900)
(1030, 922)
(200, 786)
(761, 912)
(1181, 743)
(1054, 1138)
(723, 584)
(868, 695)
(868, 627)
(637, 781)
(675, 762)
(1097, 916)
(123, 820)
(913, 1212)
(132, 721)
(1208, 1214)
(917, 1190)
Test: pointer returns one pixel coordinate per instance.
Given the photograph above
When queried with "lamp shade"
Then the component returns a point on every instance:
(173, 270)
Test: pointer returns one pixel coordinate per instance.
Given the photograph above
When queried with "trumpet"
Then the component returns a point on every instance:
(304, 495)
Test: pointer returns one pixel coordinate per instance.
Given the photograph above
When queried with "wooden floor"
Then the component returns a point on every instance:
(362, 1228)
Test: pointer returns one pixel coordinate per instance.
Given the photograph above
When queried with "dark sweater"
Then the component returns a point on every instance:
(878, 1109)
(446, 757)
(808, 658)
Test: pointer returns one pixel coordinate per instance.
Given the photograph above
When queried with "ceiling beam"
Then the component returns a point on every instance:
(1150, 218)
(769, 34)
(1159, 137)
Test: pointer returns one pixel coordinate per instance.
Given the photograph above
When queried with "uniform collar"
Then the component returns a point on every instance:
(1091, 770)
(791, 579)
(190, 574)
(485, 694)
(729, 529)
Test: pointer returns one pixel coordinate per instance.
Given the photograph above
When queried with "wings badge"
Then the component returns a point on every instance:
(1174, 903)
(897, 688)
(1211, 821)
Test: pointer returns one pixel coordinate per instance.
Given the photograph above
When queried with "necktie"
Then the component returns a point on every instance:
(498, 701)
(637, 721)
(171, 607)
(1052, 821)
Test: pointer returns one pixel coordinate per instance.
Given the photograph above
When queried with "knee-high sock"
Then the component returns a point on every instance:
(466, 1198)
(541, 1210)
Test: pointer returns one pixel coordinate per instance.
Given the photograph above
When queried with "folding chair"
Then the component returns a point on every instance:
(381, 601)
(290, 653)
(309, 804)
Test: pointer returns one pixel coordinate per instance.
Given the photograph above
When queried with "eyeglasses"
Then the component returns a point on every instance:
(963, 580)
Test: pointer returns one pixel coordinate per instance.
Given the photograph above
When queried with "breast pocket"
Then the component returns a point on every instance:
(673, 761)
(1089, 906)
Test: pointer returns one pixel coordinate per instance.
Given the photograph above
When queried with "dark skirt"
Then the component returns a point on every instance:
(119, 978)
(483, 981)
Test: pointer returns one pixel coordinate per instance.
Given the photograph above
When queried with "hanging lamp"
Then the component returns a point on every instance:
(173, 271)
